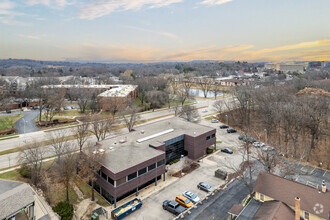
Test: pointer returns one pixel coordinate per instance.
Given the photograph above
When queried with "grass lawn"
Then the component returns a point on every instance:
(56, 193)
(8, 121)
(10, 175)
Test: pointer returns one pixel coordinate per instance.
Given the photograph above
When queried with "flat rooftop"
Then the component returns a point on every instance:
(111, 90)
(133, 148)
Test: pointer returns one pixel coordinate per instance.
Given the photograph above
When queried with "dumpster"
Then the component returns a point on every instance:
(220, 174)
(126, 209)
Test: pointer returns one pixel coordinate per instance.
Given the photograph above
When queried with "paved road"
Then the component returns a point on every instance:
(217, 207)
(26, 123)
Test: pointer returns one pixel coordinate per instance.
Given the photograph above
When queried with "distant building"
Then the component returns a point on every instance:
(106, 93)
(316, 65)
(287, 67)
(135, 160)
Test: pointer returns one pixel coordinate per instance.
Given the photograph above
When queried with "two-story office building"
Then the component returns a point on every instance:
(137, 159)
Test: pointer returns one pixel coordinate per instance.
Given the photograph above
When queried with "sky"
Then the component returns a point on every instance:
(165, 30)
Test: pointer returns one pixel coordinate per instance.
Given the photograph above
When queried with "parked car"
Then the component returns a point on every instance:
(267, 148)
(231, 130)
(173, 207)
(8, 111)
(246, 139)
(67, 108)
(227, 150)
(184, 201)
(258, 144)
(35, 107)
(214, 120)
(204, 110)
(224, 126)
(205, 187)
(191, 196)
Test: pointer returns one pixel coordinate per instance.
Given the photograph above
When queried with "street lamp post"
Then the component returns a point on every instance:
(227, 119)
(265, 130)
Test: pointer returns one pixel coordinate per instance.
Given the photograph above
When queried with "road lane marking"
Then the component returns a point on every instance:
(308, 183)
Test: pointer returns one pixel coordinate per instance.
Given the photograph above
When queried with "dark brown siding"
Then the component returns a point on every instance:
(132, 184)
(196, 146)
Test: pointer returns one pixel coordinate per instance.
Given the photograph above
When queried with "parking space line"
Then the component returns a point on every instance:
(302, 169)
(308, 183)
(312, 170)
(325, 172)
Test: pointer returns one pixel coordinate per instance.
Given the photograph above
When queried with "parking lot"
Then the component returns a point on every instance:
(152, 206)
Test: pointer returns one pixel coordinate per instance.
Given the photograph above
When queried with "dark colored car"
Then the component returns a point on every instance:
(224, 126)
(227, 150)
(8, 111)
(231, 130)
(173, 207)
(246, 139)
(205, 187)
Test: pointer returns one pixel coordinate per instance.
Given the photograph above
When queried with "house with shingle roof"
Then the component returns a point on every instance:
(16, 200)
(279, 198)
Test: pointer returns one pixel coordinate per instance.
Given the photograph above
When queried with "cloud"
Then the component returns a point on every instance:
(109, 52)
(298, 46)
(7, 14)
(36, 2)
(214, 2)
(32, 37)
(50, 3)
(100, 8)
(166, 34)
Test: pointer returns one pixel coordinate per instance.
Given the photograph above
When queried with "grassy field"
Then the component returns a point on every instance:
(10, 175)
(8, 121)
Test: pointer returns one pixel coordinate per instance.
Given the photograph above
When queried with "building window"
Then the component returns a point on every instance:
(151, 167)
(306, 215)
(104, 176)
(213, 135)
(208, 137)
(111, 181)
(131, 176)
(121, 181)
(142, 171)
(161, 162)
(261, 197)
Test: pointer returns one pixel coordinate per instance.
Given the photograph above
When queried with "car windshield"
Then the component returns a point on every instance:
(207, 186)
(193, 196)
(187, 201)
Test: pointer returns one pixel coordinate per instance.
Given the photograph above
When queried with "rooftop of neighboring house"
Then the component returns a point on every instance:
(13, 197)
(286, 191)
(124, 151)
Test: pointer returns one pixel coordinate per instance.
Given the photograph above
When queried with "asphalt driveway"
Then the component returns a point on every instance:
(26, 123)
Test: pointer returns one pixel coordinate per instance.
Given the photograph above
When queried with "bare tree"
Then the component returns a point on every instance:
(32, 156)
(205, 85)
(66, 169)
(59, 143)
(156, 99)
(101, 126)
(90, 165)
(189, 113)
(130, 116)
(84, 98)
(245, 171)
(81, 133)
(112, 104)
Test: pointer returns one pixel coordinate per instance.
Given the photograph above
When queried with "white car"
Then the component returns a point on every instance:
(214, 121)
(204, 110)
(258, 144)
(191, 196)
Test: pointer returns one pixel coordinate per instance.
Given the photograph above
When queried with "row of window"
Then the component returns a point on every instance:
(132, 175)
(209, 137)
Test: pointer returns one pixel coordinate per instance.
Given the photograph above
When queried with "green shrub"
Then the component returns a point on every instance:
(174, 161)
(247, 201)
(25, 171)
(209, 151)
(64, 210)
